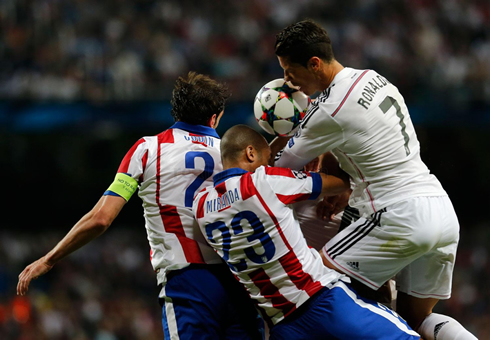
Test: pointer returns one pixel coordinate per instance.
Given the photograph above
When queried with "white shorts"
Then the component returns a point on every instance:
(414, 240)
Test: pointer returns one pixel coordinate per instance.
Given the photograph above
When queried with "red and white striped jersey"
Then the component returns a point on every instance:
(248, 219)
(170, 169)
(362, 118)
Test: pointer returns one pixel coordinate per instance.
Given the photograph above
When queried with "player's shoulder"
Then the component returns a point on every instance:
(354, 88)
(330, 100)
(345, 83)
(201, 195)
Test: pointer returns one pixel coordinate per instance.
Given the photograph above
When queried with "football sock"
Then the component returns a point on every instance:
(442, 327)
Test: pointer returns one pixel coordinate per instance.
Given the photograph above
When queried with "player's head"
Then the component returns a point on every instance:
(197, 98)
(245, 148)
(303, 49)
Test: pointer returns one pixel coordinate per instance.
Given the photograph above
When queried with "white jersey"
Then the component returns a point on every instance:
(248, 219)
(170, 169)
(362, 118)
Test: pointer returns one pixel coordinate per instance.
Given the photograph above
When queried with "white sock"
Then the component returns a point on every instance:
(442, 327)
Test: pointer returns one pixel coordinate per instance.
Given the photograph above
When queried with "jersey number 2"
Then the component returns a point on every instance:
(385, 105)
(190, 158)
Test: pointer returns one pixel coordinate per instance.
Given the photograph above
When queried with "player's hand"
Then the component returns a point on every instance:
(340, 202)
(313, 165)
(32, 271)
(332, 205)
(324, 209)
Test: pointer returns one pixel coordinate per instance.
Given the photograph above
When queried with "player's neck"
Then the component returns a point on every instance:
(329, 73)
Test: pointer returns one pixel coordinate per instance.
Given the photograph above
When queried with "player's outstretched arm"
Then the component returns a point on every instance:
(277, 145)
(333, 185)
(93, 224)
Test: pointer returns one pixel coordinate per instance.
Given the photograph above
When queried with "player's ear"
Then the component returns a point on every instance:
(215, 119)
(251, 154)
(314, 64)
(212, 121)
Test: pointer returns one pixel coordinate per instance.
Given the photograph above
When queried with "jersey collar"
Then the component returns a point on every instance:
(344, 73)
(197, 129)
(228, 173)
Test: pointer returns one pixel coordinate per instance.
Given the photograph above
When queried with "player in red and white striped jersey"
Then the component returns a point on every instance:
(408, 226)
(248, 219)
(199, 296)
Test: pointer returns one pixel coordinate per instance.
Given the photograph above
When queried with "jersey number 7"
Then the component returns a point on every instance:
(385, 105)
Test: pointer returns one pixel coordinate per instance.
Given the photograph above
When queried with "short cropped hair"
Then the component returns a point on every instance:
(196, 98)
(237, 138)
(303, 40)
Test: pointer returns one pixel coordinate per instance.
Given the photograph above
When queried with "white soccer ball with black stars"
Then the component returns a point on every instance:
(279, 107)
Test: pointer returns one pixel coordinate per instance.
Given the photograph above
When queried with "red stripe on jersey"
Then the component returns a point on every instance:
(301, 280)
(172, 224)
(247, 187)
(267, 289)
(288, 199)
(348, 93)
(221, 188)
(124, 166)
(200, 206)
(168, 213)
(166, 136)
(144, 161)
(279, 171)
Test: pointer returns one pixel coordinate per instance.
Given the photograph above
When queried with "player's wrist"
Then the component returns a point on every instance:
(48, 261)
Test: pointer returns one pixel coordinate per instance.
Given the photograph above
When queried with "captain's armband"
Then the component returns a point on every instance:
(124, 185)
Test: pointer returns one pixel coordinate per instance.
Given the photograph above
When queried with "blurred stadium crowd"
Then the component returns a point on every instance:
(105, 291)
(113, 50)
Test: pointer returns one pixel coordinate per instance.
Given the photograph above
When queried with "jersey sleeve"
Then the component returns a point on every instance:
(319, 133)
(292, 186)
(130, 172)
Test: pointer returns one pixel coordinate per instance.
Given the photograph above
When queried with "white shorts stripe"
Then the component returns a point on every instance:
(170, 316)
(382, 311)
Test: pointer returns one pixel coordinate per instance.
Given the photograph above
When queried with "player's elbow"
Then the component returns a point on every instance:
(101, 222)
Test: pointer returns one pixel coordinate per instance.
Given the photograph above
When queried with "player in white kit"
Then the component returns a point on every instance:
(248, 219)
(408, 226)
(200, 298)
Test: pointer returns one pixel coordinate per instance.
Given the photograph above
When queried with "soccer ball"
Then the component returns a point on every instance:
(279, 107)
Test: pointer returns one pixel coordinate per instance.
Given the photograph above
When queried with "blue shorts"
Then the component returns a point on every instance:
(339, 313)
(207, 302)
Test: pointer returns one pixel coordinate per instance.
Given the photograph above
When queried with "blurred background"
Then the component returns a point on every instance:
(82, 80)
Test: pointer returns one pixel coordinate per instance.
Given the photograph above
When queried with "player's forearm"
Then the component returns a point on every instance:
(277, 145)
(82, 233)
(89, 227)
(334, 185)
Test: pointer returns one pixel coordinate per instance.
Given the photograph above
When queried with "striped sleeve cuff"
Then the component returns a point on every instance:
(317, 185)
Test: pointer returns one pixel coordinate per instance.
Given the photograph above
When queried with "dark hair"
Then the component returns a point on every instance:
(303, 40)
(196, 98)
(237, 138)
